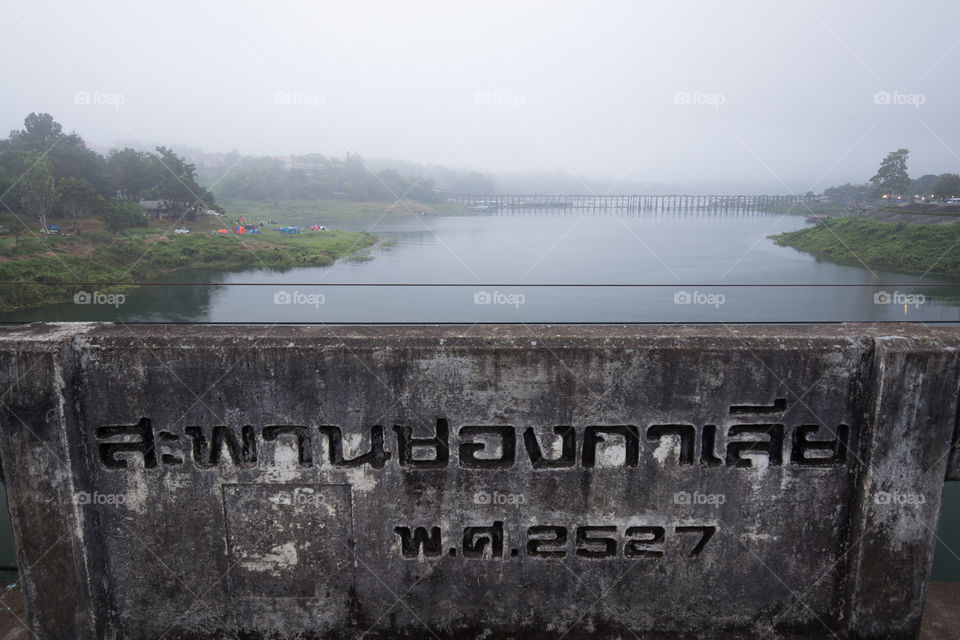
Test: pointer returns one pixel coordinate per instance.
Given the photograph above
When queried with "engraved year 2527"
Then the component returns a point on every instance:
(557, 541)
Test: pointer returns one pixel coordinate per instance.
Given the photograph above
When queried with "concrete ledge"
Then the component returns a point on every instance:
(468, 482)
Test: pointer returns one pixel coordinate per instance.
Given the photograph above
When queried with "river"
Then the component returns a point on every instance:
(695, 258)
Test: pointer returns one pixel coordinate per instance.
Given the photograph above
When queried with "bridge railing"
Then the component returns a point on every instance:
(200, 481)
(621, 203)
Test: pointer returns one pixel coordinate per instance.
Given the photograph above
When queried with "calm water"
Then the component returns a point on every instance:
(695, 256)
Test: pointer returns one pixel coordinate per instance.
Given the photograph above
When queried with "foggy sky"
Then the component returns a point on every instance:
(760, 95)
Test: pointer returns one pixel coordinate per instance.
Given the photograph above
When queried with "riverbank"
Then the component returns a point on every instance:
(306, 212)
(145, 254)
(895, 246)
(807, 208)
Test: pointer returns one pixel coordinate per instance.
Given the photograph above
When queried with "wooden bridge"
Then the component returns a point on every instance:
(506, 204)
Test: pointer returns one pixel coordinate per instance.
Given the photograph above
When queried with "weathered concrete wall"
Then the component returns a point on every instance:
(528, 482)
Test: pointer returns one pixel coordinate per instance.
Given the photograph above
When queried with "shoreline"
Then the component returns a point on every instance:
(325, 211)
(893, 244)
(146, 255)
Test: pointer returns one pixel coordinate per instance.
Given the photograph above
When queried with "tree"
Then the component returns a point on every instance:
(67, 153)
(892, 178)
(77, 198)
(393, 184)
(472, 182)
(948, 186)
(37, 192)
(9, 198)
(179, 186)
(848, 193)
(255, 179)
(10, 223)
(124, 215)
(924, 185)
(40, 132)
(133, 173)
(72, 159)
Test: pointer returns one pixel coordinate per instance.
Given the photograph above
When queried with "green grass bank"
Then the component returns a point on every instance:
(900, 246)
(147, 254)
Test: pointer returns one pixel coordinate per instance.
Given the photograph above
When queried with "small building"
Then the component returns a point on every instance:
(158, 209)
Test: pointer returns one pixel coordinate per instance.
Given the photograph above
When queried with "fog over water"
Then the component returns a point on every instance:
(691, 259)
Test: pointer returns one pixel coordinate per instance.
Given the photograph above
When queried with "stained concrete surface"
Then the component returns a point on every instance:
(476, 481)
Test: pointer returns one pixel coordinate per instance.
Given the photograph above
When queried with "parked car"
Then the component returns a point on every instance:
(181, 230)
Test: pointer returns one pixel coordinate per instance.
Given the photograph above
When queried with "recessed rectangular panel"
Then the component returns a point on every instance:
(289, 541)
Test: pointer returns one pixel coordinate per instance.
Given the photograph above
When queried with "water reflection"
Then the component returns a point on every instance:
(693, 257)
